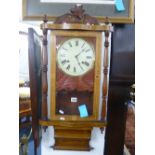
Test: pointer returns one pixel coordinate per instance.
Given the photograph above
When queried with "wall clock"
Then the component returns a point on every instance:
(76, 47)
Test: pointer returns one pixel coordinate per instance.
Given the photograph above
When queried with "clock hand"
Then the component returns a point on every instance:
(79, 53)
(79, 62)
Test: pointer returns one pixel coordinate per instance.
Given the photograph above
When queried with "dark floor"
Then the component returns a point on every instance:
(130, 131)
(26, 131)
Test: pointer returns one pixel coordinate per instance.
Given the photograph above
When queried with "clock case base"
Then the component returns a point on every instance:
(72, 138)
(73, 135)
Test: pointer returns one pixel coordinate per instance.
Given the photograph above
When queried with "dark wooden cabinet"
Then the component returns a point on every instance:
(34, 53)
(122, 76)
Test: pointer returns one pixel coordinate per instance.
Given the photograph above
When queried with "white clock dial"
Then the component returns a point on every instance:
(75, 57)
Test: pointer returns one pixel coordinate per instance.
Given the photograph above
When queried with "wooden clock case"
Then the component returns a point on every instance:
(73, 132)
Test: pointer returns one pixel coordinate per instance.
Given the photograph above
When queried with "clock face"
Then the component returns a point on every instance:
(75, 57)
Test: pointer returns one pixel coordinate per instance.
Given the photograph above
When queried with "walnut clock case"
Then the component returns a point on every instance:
(75, 74)
(75, 79)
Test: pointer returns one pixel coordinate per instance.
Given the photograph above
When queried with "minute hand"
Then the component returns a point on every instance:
(79, 54)
(78, 62)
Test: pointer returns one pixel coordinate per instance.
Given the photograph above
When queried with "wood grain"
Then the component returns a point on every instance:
(85, 27)
(73, 124)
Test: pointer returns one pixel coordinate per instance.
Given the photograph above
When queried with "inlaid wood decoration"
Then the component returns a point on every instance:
(78, 46)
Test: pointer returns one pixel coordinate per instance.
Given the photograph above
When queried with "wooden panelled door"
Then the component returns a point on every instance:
(34, 52)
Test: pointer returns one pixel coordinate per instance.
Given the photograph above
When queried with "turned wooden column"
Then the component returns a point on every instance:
(105, 74)
(44, 71)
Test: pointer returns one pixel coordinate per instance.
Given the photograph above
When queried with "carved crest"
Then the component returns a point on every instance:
(76, 15)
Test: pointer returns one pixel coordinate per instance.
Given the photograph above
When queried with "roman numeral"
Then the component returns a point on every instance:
(85, 63)
(83, 45)
(62, 55)
(76, 42)
(70, 44)
(64, 48)
(64, 61)
(68, 67)
(74, 69)
(88, 57)
(87, 50)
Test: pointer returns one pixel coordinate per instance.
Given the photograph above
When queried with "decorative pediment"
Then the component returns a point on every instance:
(77, 15)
